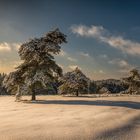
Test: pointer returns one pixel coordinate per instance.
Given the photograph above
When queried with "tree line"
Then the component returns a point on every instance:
(39, 70)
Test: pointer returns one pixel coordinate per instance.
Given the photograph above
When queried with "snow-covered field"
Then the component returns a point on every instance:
(70, 118)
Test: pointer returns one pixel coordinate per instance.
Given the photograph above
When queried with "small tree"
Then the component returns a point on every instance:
(74, 82)
(2, 88)
(133, 81)
(38, 64)
(2, 75)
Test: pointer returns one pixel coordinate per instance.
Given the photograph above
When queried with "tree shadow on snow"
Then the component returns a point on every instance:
(128, 104)
(124, 132)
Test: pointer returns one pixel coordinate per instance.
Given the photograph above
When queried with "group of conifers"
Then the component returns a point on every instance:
(39, 70)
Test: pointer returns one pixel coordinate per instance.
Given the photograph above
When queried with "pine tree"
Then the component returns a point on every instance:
(2, 89)
(38, 65)
(133, 81)
(74, 82)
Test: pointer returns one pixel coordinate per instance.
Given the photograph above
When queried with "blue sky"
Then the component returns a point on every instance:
(103, 36)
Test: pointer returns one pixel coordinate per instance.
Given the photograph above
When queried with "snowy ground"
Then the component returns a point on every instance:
(70, 118)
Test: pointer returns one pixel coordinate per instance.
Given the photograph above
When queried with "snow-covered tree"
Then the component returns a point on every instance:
(39, 66)
(2, 88)
(74, 82)
(2, 75)
(133, 81)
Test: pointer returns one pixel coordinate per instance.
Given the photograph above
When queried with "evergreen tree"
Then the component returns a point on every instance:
(74, 82)
(38, 65)
(2, 88)
(133, 81)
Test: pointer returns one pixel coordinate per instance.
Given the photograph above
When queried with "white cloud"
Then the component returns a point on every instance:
(5, 47)
(8, 47)
(7, 66)
(62, 53)
(94, 31)
(101, 72)
(16, 46)
(72, 59)
(66, 55)
(120, 62)
(102, 35)
(73, 67)
(124, 71)
(123, 65)
(60, 65)
(84, 54)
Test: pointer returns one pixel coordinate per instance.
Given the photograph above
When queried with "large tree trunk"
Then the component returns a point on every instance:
(33, 93)
(33, 96)
(77, 93)
(18, 95)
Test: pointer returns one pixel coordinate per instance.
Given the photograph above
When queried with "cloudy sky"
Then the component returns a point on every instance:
(103, 36)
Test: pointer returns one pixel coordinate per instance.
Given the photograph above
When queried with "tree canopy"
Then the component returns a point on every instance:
(133, 80)
(74, 82)
(2, 88)
(38, 64)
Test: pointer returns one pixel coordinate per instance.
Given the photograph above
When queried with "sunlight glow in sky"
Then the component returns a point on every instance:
(103, 36)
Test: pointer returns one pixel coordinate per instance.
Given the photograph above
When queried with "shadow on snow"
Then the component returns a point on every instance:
(124, 132)
(128, 104)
